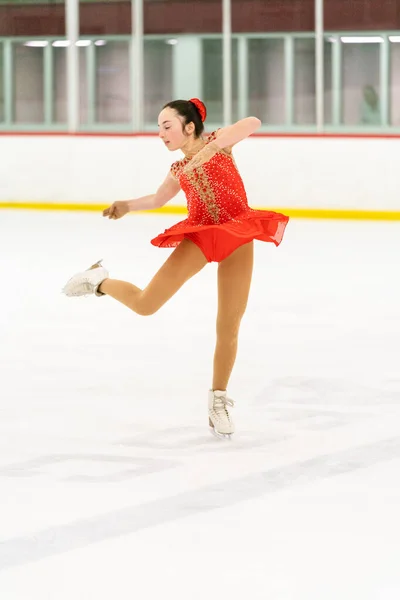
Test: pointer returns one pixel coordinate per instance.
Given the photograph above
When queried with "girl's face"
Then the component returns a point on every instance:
(170, 129)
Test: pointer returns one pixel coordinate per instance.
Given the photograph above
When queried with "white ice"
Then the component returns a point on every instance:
(111, 486)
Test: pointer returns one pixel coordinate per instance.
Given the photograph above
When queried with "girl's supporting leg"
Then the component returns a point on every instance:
(234, 279)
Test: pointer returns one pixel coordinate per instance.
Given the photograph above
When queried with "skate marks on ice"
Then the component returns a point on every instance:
(324, 403)
(172, 442)
(127, 467)
(331, 392)
(83, 532)
(187, 438)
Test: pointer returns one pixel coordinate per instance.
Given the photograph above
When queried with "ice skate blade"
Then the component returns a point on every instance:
(96, 265)
(221, 436)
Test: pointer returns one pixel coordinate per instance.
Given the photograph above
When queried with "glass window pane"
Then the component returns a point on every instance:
(395, 84)
(113, 93)
(83, 87)
(213, 82)
(1, 83)
(304, 82)
(60, 84)
(328, 82)
(28, 84)
(360, 100)
(266, 83)
(158, 57)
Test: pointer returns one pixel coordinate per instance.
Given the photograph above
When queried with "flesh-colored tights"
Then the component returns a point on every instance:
(234, 279)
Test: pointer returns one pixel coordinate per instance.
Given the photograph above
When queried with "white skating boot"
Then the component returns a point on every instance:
(87, 282)
(220, 421)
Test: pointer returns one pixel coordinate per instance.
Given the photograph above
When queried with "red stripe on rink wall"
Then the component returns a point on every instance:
(147, 134)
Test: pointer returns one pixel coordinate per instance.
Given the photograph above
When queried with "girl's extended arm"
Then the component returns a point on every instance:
(167, 190)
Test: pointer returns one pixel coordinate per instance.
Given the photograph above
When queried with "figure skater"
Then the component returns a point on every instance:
(220, 227)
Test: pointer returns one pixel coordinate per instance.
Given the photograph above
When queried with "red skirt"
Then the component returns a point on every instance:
(219, 241)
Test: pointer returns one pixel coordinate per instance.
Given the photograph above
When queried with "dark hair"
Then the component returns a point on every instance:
(191, 114)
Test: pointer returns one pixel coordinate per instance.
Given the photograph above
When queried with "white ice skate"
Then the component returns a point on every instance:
(87, 282)
(220, 421)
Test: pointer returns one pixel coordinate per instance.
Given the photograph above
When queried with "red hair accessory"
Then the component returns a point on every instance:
(200, 107)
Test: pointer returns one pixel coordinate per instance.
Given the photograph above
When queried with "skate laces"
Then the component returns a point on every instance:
(220, 404)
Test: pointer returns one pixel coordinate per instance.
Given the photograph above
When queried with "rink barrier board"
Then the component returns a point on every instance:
(306, 213)
(300, 213)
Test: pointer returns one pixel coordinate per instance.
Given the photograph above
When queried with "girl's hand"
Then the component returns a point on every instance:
(117, 210)
(202, 157)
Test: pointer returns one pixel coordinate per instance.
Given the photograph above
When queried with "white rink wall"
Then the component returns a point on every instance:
(293, 172)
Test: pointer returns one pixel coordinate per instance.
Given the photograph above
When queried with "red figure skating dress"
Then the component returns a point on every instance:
(219, 217)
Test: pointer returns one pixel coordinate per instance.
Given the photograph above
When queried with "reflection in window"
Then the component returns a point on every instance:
(361, 103)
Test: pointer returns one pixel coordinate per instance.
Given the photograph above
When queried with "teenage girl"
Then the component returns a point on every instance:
(220, 227)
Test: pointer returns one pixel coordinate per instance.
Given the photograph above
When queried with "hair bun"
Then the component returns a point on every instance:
(200, 107)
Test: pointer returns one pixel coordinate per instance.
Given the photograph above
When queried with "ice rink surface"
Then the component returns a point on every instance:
(111, 486)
